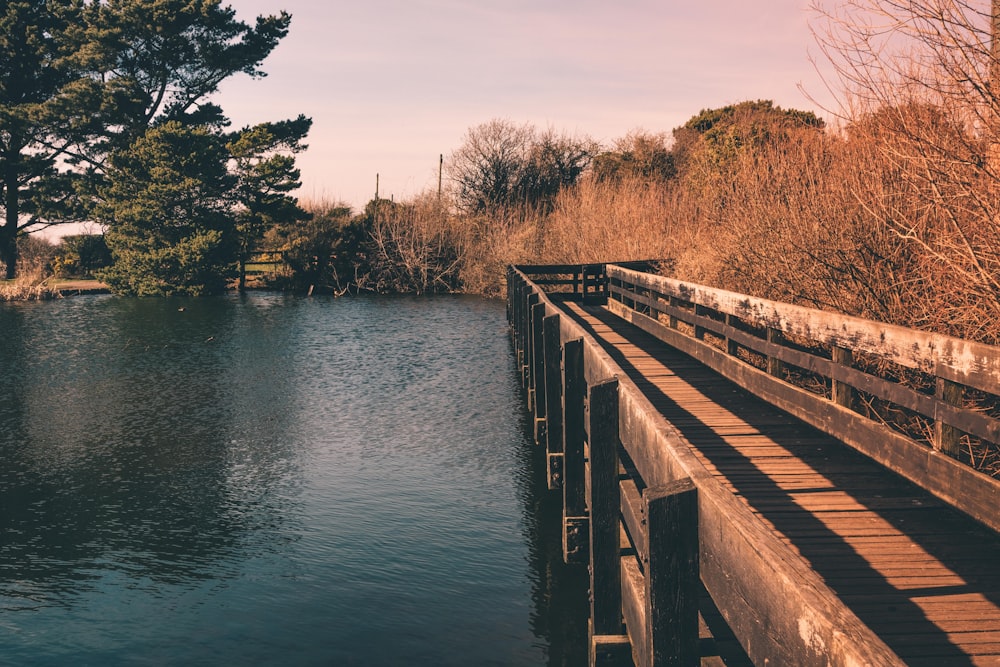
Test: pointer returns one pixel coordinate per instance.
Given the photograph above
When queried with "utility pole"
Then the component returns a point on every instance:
(441, 159)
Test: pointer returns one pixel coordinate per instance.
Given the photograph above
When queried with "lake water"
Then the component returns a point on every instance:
(274, 480)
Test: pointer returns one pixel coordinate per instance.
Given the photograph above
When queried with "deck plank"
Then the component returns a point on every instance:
(923, 576)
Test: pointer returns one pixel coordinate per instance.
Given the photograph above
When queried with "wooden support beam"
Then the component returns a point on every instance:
(552, 344)
(672, 575)
(731, 346)
(610, 651)
(576, 524)
(531, 300)
(774, 365)
(947, 439)
(605, 511)
(842, 393)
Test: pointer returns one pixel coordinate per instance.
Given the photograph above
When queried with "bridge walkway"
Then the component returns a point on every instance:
(923, 576)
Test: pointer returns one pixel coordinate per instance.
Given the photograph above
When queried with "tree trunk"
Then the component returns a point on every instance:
(8, 233)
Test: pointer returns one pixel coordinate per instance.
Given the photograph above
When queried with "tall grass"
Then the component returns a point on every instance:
(28, 286)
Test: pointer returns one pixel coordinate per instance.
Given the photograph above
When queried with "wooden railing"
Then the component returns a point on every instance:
(908, 399)
(623, 470)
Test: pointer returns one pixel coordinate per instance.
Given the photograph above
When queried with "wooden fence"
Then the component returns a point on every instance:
(908, 399)
(624, 471)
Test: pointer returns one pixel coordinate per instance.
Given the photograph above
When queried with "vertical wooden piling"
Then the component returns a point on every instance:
(527, 363)
(538, 370)
(576, 529)
(672, 576)
(553, 401)
(605, 510)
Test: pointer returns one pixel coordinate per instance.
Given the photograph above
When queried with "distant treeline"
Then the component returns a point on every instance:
(889, 210)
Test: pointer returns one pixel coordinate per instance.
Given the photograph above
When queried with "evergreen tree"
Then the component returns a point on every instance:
(264, 167)
(46, 105)
(167, 209)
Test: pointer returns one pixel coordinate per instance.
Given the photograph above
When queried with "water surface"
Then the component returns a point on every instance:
(273, 480)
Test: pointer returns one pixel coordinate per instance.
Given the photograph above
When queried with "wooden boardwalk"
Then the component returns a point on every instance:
(923, 576)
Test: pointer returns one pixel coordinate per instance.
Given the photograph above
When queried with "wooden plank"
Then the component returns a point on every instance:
(955, 483)
(778, 608)
(576, 526)
(781, 611)
(965, 362)
(531, 299)
(634, 609)
(672, 575)
(634, 518)
(553, 400)
(605, 504)
(968, 421)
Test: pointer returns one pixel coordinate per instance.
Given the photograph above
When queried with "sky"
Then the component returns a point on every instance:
(393, 84)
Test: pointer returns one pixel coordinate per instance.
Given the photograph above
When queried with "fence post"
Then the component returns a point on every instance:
(607, 646)
(947, 439)
(841, 392)
(576, 529)
(672, 575)
(774, 365)
(538, 370)
(699, 332)
(553, 401)
(732, 347)
(526, 364)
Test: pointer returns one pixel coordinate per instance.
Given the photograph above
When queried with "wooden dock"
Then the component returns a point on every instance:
(728, 472)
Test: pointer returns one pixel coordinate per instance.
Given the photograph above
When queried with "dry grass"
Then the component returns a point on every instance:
(30, 286)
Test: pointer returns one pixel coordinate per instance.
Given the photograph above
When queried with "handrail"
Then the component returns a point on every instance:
(777, 606)
(783, 337)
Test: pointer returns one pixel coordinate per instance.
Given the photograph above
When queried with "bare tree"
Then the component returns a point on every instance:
(501, 165)
(920, 84)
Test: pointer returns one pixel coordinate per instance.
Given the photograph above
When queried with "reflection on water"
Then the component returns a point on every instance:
(272, 479)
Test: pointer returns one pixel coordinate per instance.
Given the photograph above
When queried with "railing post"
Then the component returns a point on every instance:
(526, 363)
(552, 339)
(672, 575)
(731, 345)
(576, 528)
(841, 392)
(676, 303)
(774, 365)
(538, 370)
(699, 332)
(947, 439)
(606, 643)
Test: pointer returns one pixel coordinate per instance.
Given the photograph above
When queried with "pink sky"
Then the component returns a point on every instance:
(391, 84)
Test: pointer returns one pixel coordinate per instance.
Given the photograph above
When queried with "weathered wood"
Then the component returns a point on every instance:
(553, 400)
(576, 526)
(947, 439)
(957, 484)
(774, 365)
(704, 323)
(635, 609)
(531, 298)
(973, 364)
(841, 392)
(634, 517)
(732, 346)
(672, 577)
(776, 605)
(538, 363)
(610, 651)
(605, 504)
